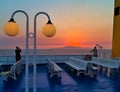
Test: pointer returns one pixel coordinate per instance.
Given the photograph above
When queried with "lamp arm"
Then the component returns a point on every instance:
(42, 13)
(27, 26)
(35, 27)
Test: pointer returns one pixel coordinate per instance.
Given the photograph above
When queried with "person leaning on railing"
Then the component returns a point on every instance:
(94, 51)
(17, 53)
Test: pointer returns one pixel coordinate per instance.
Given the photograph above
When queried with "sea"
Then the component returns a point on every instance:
(106, 53)
(7, 56)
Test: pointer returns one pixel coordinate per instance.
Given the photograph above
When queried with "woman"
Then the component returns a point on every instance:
(17, 53)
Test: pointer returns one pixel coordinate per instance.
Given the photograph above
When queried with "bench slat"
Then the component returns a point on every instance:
(77, 64)
(109, 63)
(15, 68)
(53, 68)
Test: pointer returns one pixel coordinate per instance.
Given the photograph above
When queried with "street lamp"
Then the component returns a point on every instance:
(12, 29)
(49, 30)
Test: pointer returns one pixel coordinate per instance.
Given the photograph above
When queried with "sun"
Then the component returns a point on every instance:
(74, 44)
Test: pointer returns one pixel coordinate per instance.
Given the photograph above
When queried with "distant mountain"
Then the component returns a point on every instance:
(72, 48)
(64, 50)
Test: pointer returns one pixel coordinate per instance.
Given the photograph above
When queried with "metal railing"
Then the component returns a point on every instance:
(42, 59)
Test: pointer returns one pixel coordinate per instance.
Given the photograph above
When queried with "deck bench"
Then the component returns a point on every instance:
(53, 68)
(109, 63)
(77, 64)
(15, 69)
(106, 63)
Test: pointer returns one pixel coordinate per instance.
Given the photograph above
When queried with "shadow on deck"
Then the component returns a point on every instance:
(69, 82)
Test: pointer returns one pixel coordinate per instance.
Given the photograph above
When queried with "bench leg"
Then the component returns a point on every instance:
(78, 73)
(51, 74)
(103, 70)
(72, 69)
(13, 76)
(108, 72)
(59, 74)
(55, 73)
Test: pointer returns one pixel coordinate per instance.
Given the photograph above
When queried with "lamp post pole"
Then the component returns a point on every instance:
(26, 51)
(34, 59)
(49, 31)
(99, 49)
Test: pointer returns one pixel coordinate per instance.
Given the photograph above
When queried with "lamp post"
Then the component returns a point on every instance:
(99, 49)
(49, 31)
(12, 29)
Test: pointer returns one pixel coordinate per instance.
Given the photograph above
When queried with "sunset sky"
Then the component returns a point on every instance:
(78, 22)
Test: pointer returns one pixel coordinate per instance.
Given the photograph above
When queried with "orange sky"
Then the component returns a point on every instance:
(78, 23)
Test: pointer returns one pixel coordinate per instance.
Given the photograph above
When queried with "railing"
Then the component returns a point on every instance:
(40, 59)
(7, 60)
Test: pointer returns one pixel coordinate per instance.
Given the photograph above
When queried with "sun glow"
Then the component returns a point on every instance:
(74, 44)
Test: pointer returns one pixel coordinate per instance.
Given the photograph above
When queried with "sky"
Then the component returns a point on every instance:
(83, 23)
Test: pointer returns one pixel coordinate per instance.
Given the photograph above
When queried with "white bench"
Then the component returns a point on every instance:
(109, 64)
(77, 64)
(15, 69)
(54, 69)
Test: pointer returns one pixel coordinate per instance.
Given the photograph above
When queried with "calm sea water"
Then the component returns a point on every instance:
(10, 52)
(7, 56)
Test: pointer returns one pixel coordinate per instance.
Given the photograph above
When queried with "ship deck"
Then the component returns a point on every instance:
(69, 82)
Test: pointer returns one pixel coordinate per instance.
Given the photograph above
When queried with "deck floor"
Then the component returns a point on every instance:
(69, 82)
